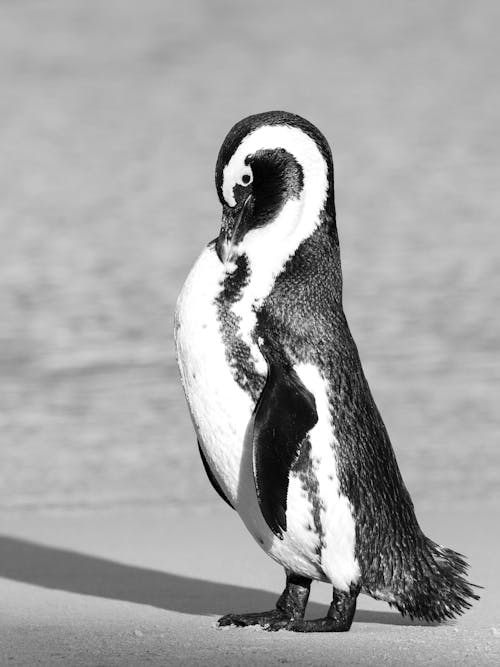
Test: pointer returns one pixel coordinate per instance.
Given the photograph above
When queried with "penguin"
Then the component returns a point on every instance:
(287, 429)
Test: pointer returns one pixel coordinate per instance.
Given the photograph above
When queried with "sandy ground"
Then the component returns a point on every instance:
(145, 586)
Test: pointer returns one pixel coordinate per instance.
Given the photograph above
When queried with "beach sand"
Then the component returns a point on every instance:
(146, 586)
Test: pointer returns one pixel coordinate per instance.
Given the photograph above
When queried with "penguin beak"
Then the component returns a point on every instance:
(233, 229)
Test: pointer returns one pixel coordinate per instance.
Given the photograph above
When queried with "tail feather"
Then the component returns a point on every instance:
(431, 585)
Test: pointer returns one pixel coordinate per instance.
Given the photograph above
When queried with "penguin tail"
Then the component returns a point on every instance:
(430, 584)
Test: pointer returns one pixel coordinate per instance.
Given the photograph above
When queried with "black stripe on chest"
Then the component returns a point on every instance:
(238, 353)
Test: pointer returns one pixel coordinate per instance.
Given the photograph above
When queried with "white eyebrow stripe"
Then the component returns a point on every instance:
(294, 141)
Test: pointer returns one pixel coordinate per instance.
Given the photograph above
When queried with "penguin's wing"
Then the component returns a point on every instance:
(283, 416)
(211, 477)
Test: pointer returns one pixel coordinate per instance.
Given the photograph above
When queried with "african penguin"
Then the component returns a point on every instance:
(287, 428)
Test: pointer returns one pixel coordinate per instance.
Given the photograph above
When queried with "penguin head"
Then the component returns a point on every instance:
(274, 179)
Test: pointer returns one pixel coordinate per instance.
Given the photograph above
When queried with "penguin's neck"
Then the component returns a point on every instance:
(268, 248)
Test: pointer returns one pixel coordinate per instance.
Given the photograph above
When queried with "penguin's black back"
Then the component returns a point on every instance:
(398, 563)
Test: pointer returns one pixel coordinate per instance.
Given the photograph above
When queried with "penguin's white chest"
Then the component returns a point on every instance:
(219, 408)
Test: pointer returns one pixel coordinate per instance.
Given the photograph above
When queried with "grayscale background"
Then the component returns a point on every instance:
(111, 117)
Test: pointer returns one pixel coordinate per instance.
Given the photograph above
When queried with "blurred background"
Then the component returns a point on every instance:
(111, 117)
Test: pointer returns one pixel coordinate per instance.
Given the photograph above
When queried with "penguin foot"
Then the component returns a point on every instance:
(339, 617)
(290, 608)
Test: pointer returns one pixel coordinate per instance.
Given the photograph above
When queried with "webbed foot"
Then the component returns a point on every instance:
(290, 608)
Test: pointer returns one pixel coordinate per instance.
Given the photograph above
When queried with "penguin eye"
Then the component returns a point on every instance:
(246, 179)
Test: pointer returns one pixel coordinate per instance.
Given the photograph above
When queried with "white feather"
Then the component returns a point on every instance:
(337, 554)
(219, 408)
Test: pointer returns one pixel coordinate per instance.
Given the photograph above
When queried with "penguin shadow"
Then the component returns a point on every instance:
(73, 572)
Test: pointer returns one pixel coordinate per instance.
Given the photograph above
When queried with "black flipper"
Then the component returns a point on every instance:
(211, 477)
(283, 416)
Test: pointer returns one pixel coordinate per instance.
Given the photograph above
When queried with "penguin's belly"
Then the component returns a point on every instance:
(319, 540)
(220, 408)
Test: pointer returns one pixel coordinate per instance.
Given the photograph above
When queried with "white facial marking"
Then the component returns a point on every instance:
(240, 175)
(268, 137)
